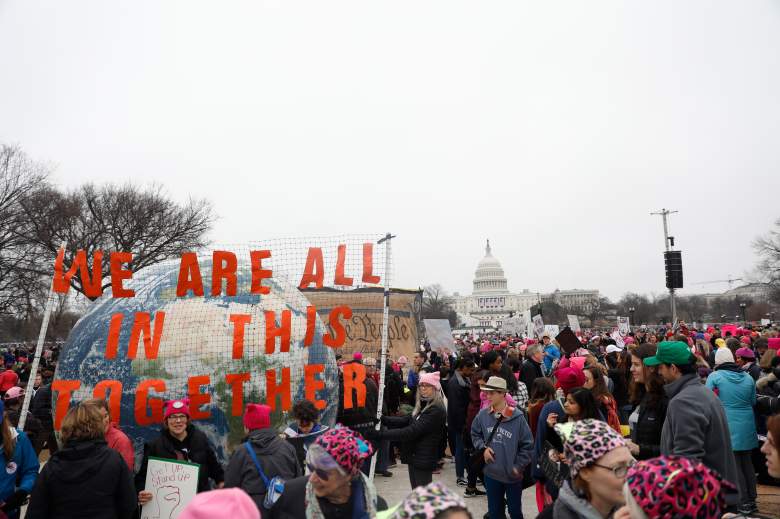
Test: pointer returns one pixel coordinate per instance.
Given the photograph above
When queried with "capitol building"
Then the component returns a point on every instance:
(490, 301)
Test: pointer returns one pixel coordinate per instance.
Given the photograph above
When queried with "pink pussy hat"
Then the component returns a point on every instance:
(257, 416)
(225, 502)
(432, 379)
(181, 406)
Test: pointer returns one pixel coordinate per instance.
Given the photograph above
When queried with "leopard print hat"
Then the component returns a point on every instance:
(428, 502)
(347, 448)
(585, 441)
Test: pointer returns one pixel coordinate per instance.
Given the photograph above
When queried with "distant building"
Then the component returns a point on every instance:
(491, 301)
(754, 291)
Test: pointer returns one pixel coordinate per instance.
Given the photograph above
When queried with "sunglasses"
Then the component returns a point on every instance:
(322, 474)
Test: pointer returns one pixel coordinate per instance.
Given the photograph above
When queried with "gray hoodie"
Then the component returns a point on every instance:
(571, 506)
(512, 444)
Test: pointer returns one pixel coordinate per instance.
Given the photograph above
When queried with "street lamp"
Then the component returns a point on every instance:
(743, 306)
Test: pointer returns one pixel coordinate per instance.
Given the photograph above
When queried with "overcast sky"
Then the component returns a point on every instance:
(552, 128)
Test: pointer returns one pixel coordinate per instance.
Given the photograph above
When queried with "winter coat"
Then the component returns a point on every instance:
(475, 401)
(543, 432)
(41, 407)
(198, 451)
(84, 479)
(393, 389)
(419, 436)
(696, 427)
(512, 444)
(570, 505)
(23, 467)
(752, 369)
(769, 385)
(529, 372)
(119, 441)
(737, 391)
(292, 503)
(457, 402)
(551, 354)
(276, 456)
(647, 432)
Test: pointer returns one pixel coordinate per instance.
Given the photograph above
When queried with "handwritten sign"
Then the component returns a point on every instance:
(172, 484)
(538, 325)
(624, 326)
(574, 323)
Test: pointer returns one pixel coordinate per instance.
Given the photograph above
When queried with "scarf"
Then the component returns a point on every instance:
(365, 500)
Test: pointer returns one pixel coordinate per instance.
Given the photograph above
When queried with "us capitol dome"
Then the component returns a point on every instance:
(491, 301)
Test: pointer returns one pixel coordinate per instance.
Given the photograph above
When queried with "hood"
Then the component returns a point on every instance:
(79, 460)
(577, 505)
(262, 438)
(729, 366)
(732, 372)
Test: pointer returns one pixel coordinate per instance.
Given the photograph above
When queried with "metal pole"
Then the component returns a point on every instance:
(38, 350)
(383, 358)
(664, 213)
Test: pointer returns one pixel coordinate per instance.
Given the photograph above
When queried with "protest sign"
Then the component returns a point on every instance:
(618, 337)
(514, 325)
(538, 325)
(765, 322)
(439, 334)
(529, 325)
(574, 323)
(552, 329)
(172, 484)
(623, 326)
(568, 341)
(222, 328)
(728, 328)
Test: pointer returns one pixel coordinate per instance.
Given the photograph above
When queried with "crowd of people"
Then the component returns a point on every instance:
(669, 423)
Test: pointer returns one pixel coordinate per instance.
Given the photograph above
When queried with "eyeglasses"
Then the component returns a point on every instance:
(619, 471)
(178, 418)
(322, 474)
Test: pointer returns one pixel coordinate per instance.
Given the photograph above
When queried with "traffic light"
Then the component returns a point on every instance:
(674, 273)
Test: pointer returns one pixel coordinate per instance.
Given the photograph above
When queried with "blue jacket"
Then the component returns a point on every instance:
(24, 468)
(737, 392)
(512, 444)
(551, 354)
(411, 379)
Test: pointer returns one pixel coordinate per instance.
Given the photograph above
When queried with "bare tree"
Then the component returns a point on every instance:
(127, 218)
(436, 306)
(19, 176)
(768, 249)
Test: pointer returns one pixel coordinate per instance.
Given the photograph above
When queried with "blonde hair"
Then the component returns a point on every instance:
(9, 440)
(83, 422)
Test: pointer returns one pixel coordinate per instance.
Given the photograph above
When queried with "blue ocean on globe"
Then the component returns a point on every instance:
(197, 339)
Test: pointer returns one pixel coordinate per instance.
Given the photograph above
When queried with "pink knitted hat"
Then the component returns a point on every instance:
(257, 416)
(432, 379)
(181, 406)
(225, 502)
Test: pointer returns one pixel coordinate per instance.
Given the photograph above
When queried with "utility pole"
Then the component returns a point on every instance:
(667, 240)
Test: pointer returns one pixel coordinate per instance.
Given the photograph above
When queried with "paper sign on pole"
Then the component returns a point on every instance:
(538, 325)
(439, 334)
(173, 484)
(624, 326)
(574, 323)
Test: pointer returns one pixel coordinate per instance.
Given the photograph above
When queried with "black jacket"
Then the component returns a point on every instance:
(198, 451)
(393, 388)
(276, 456)
(530, 372)
(420, 437)
(41, 407)
(84, 479)
(292, 503)
(647, 433)
(457, 403)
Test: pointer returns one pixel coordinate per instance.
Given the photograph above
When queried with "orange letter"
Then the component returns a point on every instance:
(311, 325)
(197, 398)
(151, 343)
(272, 390)
(112, 344)
(272, 332)
(258, 272)
(189, 276)
(338, 329)
(155, 404)
(239, 323)
(115, 397)
(354, 378)
(368, 264)
(118, 274)
(93, 288)
(65, 389)
(314, 271)
(226, 270)
(236, 382)
(340, 279)
(312, 384)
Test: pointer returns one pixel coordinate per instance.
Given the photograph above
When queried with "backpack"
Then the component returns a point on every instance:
(274, 488)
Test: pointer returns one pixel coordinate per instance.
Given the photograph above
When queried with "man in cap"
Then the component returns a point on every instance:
(551, 352)
(695, 425)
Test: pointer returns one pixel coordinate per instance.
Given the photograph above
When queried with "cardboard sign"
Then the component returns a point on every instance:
(568, 341)
(439, 334)
(552, 329)
(173, 484)
(574, 323)
(618, 337)
(624, 327)
(538, 326)
(765, 322)
(514, 325)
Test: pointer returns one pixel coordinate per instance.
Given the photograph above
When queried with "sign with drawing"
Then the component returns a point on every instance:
(173, 484)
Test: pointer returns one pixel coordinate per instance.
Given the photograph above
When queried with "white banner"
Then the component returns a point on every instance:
(538, 326)
(574, 323)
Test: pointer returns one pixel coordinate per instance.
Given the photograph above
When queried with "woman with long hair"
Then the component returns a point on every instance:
(21, 467)
(596, 382)
(649, 397)
(86, 478)
(181, 440)
(543, 391)
(420, 433)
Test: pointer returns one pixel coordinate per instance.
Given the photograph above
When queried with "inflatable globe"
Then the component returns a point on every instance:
(197, 339)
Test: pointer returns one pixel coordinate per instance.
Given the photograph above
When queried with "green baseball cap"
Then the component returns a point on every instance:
(670, 352)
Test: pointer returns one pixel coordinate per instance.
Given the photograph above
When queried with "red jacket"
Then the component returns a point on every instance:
(8, 379)
(119, 441)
